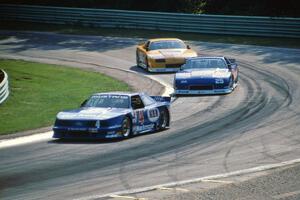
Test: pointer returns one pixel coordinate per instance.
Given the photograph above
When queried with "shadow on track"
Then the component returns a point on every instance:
(84, 141)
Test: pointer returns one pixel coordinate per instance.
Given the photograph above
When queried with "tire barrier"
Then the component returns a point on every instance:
(4, 89)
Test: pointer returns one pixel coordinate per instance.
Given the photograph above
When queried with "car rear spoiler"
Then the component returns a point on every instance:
(161, 99)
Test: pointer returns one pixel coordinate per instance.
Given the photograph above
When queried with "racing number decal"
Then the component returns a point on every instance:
(140, 116)
(153, 114)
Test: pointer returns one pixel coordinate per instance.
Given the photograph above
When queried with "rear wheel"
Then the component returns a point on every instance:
(163, 119)
(147, 64)
(126, 127)
(237, 78)
(137, 59)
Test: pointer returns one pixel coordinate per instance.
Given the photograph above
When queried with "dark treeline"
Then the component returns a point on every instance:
(288, 8)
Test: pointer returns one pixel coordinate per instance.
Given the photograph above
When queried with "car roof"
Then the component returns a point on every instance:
(118, 93)
(163, 39)
(206, 57)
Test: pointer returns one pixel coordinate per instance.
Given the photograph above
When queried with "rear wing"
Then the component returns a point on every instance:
(161, 99)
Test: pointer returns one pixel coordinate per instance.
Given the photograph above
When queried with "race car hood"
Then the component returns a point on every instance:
(171, 53)
(203, 73)
(92, 113)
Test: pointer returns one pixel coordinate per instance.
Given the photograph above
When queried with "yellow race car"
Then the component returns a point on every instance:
(163, 54)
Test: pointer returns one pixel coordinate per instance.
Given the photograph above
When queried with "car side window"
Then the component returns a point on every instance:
(147, 100)
(227, 61)
(136, 102)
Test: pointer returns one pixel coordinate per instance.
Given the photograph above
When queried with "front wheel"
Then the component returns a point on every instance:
(163, 119)
(147, 64)
(126, 127)
(231, 82)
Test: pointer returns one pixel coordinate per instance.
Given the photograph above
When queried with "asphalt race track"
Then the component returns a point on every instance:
(258, 124)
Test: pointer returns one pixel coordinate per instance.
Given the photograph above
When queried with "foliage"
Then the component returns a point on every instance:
(229, 7)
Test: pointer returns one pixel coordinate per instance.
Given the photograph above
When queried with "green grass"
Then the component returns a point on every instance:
(136, 33)
(39, 91)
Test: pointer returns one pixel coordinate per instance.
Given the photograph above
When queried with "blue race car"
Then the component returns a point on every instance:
(206, 75)
(114, 115)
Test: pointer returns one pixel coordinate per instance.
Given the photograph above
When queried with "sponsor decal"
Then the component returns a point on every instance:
(153, 114)
(144, 127)
(112, 136)
(77, 129)
(93, 130)
(78, 123)
(112, 96)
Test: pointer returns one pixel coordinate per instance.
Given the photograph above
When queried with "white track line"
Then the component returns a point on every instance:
(126, 197)
(216, 181)
(173, 189)
(25, 140)
(195, 180)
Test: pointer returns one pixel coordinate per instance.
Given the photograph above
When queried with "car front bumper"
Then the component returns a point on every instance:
(204, 92)
(86, 133)
(152, 69)
(195, 92)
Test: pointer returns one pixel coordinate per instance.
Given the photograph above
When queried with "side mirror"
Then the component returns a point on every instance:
(83, 103)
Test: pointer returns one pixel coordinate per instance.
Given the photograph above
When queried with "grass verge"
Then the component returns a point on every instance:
(137, 33)
(39, 91)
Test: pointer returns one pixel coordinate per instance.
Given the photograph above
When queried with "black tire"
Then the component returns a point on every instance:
(164, 118)
(137, 59)
(147, 65)
(126, 127)
(237, 79)
(231, 82)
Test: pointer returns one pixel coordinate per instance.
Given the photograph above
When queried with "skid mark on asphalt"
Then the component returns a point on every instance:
(287, 195)
(266, 150)
(172, 168)
(197, 180)
(122, 176)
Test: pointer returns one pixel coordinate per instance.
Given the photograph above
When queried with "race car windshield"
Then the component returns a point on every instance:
(167, 44)
(108, 101)
(205, 63)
